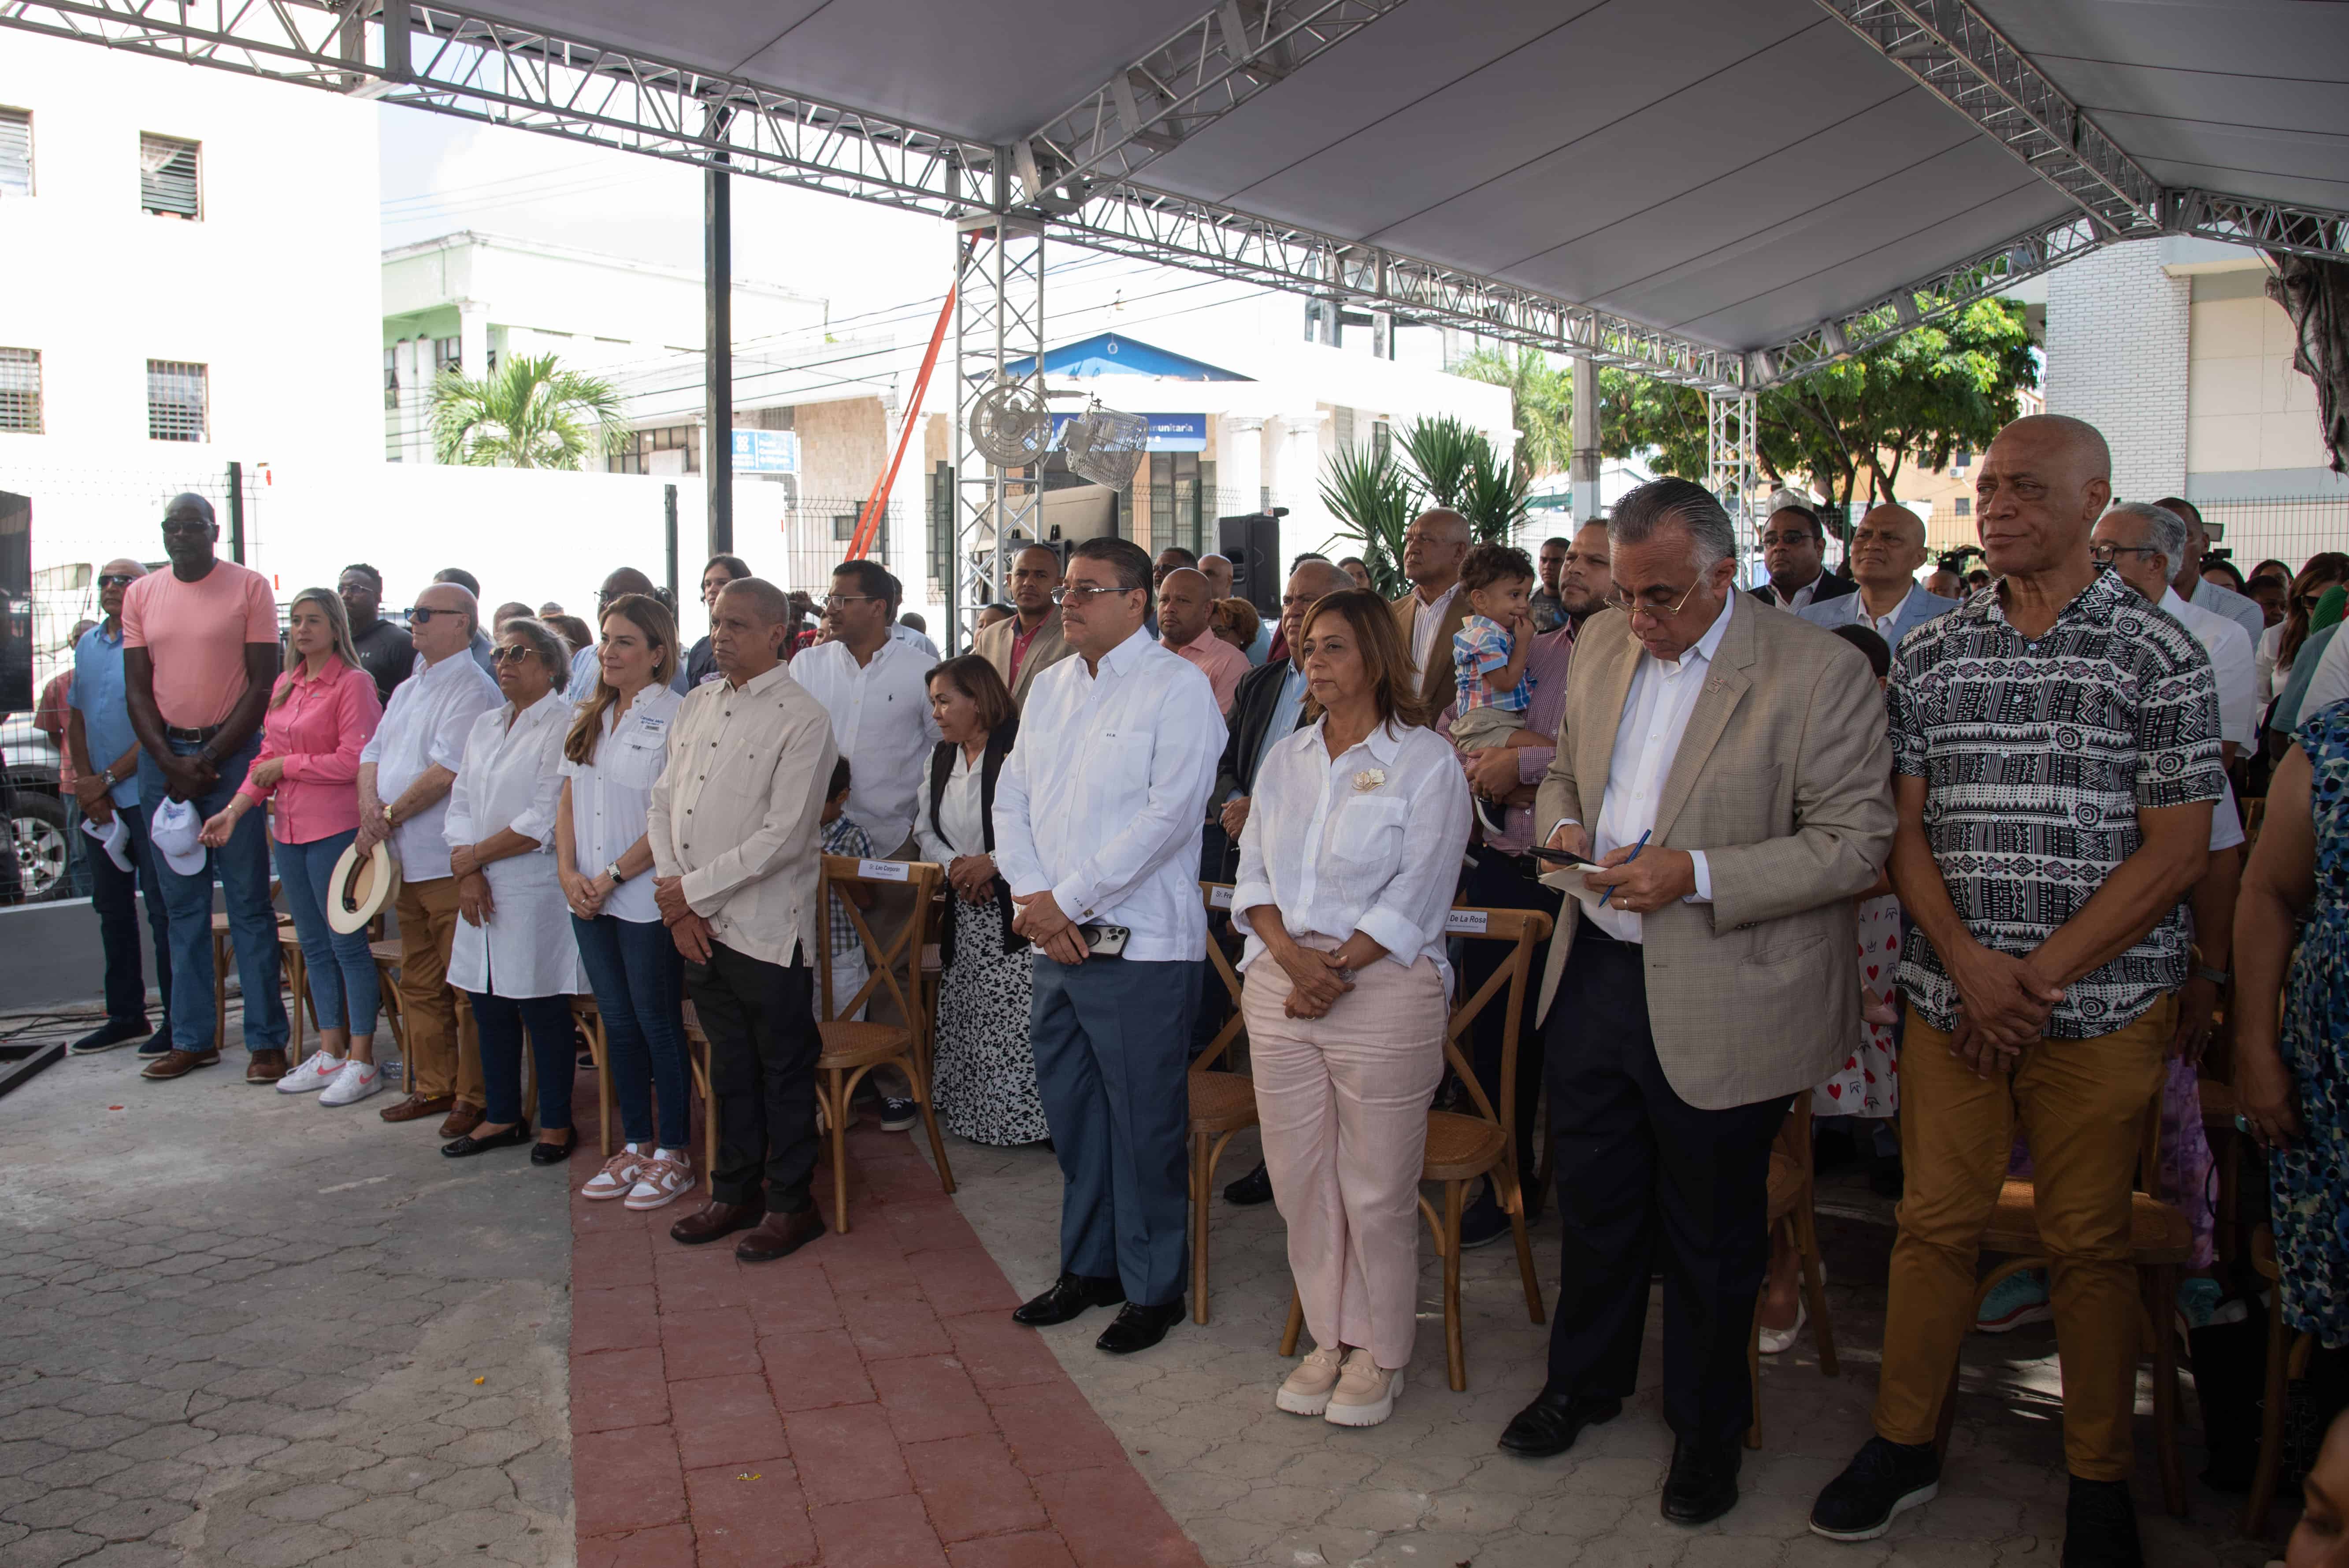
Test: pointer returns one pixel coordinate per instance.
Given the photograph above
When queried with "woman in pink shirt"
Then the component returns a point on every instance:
(322, 711)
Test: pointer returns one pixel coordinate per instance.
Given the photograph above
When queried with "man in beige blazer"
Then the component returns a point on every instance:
(1730, 764)
(1030, 641)
(1433, 549)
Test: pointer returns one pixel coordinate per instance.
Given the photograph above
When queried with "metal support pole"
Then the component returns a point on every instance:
(669, 532)
(236, 512)
(1733, 465)
(998, 319)
(1584, 471)
(718, 355)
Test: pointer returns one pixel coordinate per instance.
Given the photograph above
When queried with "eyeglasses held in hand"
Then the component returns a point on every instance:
(1085, 595)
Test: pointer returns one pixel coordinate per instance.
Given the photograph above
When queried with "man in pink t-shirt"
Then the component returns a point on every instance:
(1186, 609)
(200, 655)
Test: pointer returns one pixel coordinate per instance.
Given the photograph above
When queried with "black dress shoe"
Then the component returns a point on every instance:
(1139, 1328)
(1250, 1189)
(2100, 1526)
(1703, 1485)
(105, 1037)
(545, 1154)
(1070, 1295)
(712, 1221)
(1550, 1424)
(781, 1235)
(461, 1147)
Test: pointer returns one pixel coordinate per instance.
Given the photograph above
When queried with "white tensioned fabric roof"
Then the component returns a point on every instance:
(1731, 172)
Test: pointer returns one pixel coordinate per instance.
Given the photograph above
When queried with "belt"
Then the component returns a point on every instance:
(193, 737)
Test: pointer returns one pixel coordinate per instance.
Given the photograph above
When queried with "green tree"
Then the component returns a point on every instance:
(1541, 399)
(1850, 429)
(530, 413)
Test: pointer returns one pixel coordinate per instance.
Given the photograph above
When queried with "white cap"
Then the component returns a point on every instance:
(174, 827)
(114, 837)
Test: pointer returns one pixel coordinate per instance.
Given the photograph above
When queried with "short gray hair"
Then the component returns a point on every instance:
(1669, 501)
(2164, 529)
(774, 605)
(552, 650)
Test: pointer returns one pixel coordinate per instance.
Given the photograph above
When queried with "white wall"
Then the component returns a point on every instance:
(2117, 334)
(2249, 408)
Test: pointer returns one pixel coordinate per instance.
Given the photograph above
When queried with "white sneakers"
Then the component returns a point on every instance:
(1345, 1388)
(353, 1082)
(648, 1181)
(337, 1080)
(618, 1175)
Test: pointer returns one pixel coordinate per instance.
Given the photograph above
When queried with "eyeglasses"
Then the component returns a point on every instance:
(1084, 593)
(509, 652)
(1654, 612)
(115, 580)
(422, 613)
(2101, 555)
(836, 601)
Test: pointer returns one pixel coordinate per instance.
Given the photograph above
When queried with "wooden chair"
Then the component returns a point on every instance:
(2287, 1360)
(1462, 1149)
(696, 1061)
(297, 984)
(2160, 1240)
(1793, 1191)
(1223, 1104)
(395, 1019)
(590, 1019)
(853, 1049)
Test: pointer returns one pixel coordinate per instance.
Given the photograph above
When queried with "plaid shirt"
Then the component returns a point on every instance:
(844, 837)
(1480, 646)
(2037, 757)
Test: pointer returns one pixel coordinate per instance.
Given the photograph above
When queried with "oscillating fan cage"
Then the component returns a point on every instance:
(1105, 445)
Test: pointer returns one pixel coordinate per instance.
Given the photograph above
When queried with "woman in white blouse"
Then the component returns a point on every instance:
(985, 1072)
(612, 757)
(514, 956)
(1347, 865)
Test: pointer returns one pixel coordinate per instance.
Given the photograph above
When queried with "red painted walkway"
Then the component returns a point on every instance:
(864, 1403)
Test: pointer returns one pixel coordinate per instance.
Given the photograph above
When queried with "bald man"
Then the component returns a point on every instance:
(1186, 627)
(2055, 748)
(1432, 549)
(1029, 643)
(1886, 549)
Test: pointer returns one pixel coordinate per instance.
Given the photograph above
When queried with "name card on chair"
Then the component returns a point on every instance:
(1465, 922)
(1219, 898)
(883, 871)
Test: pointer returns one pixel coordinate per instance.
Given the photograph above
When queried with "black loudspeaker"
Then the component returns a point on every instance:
(1252, 545)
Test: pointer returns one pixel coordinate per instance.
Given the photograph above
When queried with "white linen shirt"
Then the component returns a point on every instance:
(1368, 841)
(430, 715)
(1424, 620)
(1647, 737)
(962, 825)
(881, 722)
(1102, 800)
(508, 779)
(611, 797)
(2230, 662)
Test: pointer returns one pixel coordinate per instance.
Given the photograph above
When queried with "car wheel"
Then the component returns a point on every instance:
(39, 821)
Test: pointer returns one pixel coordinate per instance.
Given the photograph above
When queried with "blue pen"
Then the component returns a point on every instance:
(1627, 860)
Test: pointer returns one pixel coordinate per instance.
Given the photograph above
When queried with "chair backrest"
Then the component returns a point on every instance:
(1525, 930)
(1219, 897)
(894, 967)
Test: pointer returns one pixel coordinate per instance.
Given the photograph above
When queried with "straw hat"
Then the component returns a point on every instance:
(360, 887)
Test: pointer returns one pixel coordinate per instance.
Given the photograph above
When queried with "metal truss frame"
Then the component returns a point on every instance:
(1733, 458)
(999, 318)
(1190, 81)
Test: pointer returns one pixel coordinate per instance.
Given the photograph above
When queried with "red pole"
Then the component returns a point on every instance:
(868, 525)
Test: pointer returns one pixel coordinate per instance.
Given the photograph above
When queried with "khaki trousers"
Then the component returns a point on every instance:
(442, 1049)
(1343, 1102)
(2081, 1106)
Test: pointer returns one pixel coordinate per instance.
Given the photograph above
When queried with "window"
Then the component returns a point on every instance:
(447, 355)
(640, 456)
(843, 526)
(391, 378)
(1965, 506)
(167, 177)
(1960, 458)
(175, 401)
(20, 390)
(15, 152)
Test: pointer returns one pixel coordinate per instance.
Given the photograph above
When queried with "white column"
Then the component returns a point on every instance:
(473, 339)
(1240, 463)
(1585, 471)
(1297, 483)
(415, 412)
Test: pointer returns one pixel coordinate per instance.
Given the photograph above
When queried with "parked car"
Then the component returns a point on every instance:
(36, 808)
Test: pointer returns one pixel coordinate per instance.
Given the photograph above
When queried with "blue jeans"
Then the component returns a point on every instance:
(638, 978)
(114, 895)
(499, 1021)
(243, 867)
(343, 983)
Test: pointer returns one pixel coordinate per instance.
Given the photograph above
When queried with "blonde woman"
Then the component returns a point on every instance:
(323, 711)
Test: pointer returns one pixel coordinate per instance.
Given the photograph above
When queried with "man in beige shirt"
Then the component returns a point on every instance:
(736, 861)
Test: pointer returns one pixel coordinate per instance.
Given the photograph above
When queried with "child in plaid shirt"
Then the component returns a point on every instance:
(1489, 652)
(842, 835)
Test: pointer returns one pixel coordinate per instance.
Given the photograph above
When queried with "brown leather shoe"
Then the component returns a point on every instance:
(781, 1235)
(266, 1066)
(177, 1063)
(716, 1219)
(462, 1119)
(417, 1107)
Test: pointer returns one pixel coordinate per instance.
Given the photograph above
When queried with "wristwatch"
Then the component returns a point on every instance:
(613, 870)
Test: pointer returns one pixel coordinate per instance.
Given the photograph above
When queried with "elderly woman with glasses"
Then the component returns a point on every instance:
(514, 957)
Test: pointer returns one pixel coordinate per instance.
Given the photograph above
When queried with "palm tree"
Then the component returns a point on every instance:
(1541, 397)
(530, 413)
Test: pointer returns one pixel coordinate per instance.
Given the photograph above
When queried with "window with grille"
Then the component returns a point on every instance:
(447, 353)
(391, 378)
(168, 182)
(15, 152)
(20, 390)
(843, 526)
(1965, 506)
(175, 401)
(638, 456)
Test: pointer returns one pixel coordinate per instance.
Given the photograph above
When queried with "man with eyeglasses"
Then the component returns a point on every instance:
(104, 751)
(1029, 643)
(200, 655)
(1098, 817)
(1886, 549)
(1794, 552)
(1434, 547)
(384, 651)
(482, 643)
(404, 774)
(700, 662)
(1727, 766)
(2185, 575)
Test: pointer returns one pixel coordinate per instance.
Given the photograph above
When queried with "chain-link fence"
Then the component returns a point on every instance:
(2289, 529)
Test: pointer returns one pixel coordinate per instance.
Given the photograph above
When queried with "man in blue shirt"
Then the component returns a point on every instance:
(105, 755)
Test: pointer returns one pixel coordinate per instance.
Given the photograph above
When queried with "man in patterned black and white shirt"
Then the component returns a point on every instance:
(2055, 753)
